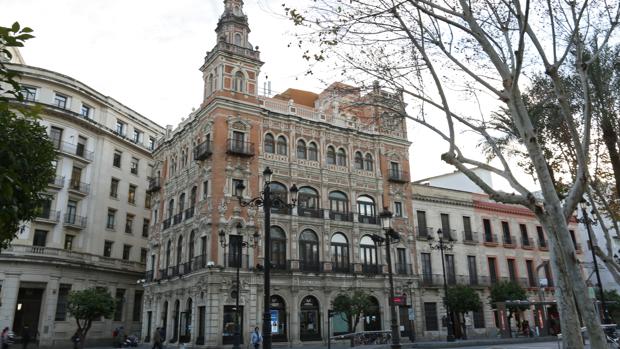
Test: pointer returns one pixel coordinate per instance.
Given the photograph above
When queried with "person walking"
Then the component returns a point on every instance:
(4, 338)
(257, 339)
(76, 338)
(157, 339)
(25, 336)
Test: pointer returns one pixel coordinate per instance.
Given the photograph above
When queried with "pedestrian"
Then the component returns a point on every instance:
(157, 339)
(121, 336)
(76, 338)
(257, 339)
(4, 338)
(25, 336)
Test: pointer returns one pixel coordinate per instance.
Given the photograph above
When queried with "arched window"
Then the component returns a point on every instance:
(175, 321)
(366, 210)
(239, 84)
(269, 144)
(180, 250)
(211, 84)
(359, 161)
(181, 203)
(186, 330)
(368, 162)
(308, 251)
(310, 320)
(313, 153)
(331, 155)
(278, 190)
(341, 159)
(372, 320)
(282, 146)
(308, 202)
(190, 252)
(301, 149)
(339, 248)
(279, 307)
(237, 39)
(170, 208)
(368, 255)
(278, 248)
(168, 252)
(192, 197)
(338, 202)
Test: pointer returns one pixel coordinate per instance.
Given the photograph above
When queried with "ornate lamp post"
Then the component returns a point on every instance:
(391, 236)
(238, 259)
(266, 201)
(443, 245)
(587, 221)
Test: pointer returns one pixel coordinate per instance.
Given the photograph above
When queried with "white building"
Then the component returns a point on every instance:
(92, 232)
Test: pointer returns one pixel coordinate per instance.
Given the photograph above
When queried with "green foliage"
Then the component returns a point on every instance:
(508, 291)
(612, 300)
(26, 153)
(462, 299)
(352, 305)
(89, 305)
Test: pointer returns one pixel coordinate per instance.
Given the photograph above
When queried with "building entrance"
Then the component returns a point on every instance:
(28, 309)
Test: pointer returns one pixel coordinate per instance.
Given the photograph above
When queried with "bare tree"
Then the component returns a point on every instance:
(444, 54)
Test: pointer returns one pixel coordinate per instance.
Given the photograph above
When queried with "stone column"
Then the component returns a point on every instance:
(46, 324)
(10, 290)
(293, 316)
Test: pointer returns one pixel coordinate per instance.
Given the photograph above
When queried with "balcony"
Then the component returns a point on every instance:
(189, 213)
(448, 234)
(203, 150)
(79, 258)
(403, 269)
(341, 216)
(80, 188)
(470, 237)
(185, 268)
(48, 216)
(309, 212)
(490, 239)
(373, 269)
(177, 218)
(543, 245)
(148, 276)
(527, 243)
(199, 262)
(509, 241)
(423, 233)
(281, 210)
(341, 267)
(154, 184)
(367, 219)
(437, 280)
(173, 271)
(310, 266)
(239, 148)
(163, 274)
(75, 222)
(75, 150)
(232, 261)
(166, 223)
(57, 182)
(398, 176)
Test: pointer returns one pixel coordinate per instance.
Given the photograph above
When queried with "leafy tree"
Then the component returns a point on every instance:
(352, 306)
(462, 299)
(508, 291)
(89, 305)
(451, 63)
(612, 300)
(26, 153)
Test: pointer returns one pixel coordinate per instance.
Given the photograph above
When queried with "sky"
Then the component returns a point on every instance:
(146, 54)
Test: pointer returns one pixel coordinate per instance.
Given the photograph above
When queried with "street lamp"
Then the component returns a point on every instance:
(266, 201)
(585, 219)
(237, 261)
(443, 245)
(391, 236)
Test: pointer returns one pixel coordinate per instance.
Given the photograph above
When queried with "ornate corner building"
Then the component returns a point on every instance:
(92, 230)
(348, 160)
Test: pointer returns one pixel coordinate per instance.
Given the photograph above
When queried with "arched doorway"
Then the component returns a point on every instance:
(310, 320)
(372, 319)
(175, 322)
(278, 319)
(164, 318)
(186, 323)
